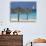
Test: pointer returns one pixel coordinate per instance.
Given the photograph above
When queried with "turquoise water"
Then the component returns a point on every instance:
(24, 16)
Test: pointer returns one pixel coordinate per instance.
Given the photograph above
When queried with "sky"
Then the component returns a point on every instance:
(23, 4)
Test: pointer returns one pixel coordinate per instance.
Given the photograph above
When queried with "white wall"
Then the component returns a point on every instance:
(30, 30)
(39, 44)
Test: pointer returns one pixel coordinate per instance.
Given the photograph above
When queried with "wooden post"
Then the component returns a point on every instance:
(31, 43)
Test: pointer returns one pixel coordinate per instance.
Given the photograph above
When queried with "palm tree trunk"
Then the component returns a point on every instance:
(18, 16)
(27, 16)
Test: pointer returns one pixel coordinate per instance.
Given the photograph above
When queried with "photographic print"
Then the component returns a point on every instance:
(22, 11)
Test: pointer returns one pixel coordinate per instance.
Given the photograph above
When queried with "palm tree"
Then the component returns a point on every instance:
(27, 12)
(19, 10)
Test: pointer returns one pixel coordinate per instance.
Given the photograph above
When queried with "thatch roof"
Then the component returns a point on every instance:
(18, 9)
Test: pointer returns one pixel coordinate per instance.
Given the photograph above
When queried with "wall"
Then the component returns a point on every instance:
(30, 30)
